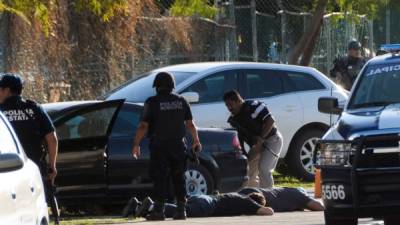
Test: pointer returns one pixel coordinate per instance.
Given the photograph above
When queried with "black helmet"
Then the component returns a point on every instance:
(356, 45)
(12, 81)
(164, 80)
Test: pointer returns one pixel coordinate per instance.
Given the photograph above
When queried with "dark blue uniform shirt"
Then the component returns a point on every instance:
(166, 115)
(30, 122)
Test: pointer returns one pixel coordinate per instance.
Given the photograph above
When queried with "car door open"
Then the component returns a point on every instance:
(83, 135)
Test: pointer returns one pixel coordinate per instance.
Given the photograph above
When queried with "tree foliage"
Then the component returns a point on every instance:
(39, 10)
(193, 7)
(105, 9)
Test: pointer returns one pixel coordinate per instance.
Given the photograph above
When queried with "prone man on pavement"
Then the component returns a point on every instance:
(256, 127)
(165, 119)
(34, 130)
(229, 204)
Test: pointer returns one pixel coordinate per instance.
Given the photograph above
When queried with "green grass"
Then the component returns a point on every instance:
(288, 181)
(94, 221)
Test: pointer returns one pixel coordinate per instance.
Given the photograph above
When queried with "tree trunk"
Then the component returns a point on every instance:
(314, 28)
(310, 46)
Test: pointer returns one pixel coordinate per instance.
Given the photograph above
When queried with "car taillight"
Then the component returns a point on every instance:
(236, 144)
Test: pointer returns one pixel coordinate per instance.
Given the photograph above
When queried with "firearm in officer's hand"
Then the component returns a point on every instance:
(194, 155)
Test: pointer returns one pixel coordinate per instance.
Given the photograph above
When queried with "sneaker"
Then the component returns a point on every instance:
(143, 209)
(180, 213)
(157, 213)
(155, 216)
(131, 207)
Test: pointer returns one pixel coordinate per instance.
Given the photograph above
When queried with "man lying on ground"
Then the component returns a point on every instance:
(230, 204)
(286, 199)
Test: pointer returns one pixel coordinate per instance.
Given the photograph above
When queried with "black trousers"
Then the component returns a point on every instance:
(168, 161)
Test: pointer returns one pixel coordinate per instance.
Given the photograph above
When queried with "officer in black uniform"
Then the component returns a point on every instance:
(346, 68)
(165, 117)
(34, 130)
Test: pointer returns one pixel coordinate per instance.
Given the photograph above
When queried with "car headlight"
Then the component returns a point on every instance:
(333, 153)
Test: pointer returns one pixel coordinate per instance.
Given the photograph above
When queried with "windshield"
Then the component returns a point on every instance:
(139, 89)
(379, 86)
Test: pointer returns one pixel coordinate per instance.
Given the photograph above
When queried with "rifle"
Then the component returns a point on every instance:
(249, 137)
(194, 155)
(50, 192)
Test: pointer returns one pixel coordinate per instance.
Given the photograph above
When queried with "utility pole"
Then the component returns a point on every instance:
(254, 29)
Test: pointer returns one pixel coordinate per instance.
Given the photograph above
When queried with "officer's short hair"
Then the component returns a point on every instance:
(232, 95)
(12, 81)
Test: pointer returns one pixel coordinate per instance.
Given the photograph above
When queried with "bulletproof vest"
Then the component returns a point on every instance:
(353, 68)
(169, 117)
(22, 115)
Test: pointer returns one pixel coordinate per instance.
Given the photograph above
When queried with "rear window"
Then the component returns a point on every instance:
(138, 90)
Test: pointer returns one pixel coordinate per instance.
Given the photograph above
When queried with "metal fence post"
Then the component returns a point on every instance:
(387, 22)
(284, 31)
(254, 29)
(233, 47)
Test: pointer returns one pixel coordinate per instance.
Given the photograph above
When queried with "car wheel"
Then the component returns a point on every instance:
(331, 220)
(198, 180)
(300, 155)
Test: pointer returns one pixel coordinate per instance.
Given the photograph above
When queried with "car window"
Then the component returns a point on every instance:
(93, 123)
(140, 89)
(127, 121)
(7, 143)
(213, 87)
(304, 82)
(262, 83)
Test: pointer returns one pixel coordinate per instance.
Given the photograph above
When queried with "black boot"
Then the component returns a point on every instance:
(143, 209)
(130, 207)
(158, 212)
(180, 211)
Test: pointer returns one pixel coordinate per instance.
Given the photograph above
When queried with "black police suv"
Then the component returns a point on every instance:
(359, 156)
(95, 160)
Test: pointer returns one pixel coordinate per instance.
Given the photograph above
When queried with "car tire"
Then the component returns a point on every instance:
(332, 220)
(198, 180)
(301, 152)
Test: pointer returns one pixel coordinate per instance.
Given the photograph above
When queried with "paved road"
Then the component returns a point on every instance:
(293, 218)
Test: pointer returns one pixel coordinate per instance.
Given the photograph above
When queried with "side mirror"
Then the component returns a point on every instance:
(329, 105)
(191, 97)
(10, 162)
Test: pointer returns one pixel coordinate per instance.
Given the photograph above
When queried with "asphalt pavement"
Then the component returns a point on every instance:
(291, 218)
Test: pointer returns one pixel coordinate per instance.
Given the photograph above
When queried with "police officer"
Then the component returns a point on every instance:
(346, 68)
(165, 117)
(33, 128)
(256, 127)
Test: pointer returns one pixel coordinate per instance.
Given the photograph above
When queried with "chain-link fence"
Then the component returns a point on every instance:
(337, 31)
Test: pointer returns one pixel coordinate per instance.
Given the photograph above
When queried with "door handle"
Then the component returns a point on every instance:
(13, 196)
(289, 108)
(32, 189)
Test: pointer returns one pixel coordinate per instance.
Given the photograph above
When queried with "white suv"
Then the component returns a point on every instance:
(290, 92)
(22, 199)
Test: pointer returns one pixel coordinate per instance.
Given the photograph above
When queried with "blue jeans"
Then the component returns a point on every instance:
(197, 206)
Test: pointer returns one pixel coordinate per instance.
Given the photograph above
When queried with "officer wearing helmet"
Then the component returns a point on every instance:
(165, 118)
(346, 68)
(34, 130)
